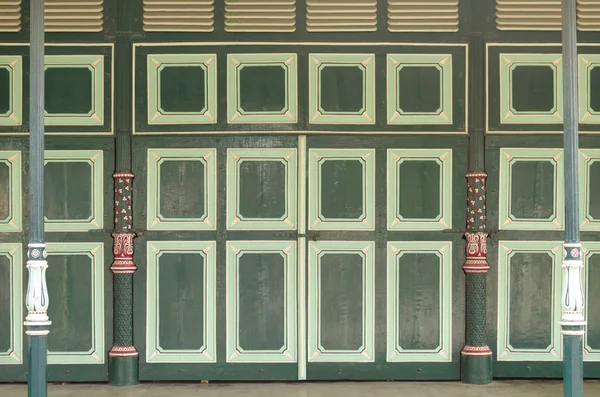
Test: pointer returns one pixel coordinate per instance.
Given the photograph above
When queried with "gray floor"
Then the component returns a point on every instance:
(342, 389)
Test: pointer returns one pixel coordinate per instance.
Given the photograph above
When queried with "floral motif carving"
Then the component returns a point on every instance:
(476, 217)
(476, 253)
(123, 200)
(123, 253)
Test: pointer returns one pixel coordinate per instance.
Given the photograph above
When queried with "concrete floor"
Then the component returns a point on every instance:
(342, 389)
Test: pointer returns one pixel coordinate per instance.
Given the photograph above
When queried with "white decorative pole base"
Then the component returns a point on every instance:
(37, 291)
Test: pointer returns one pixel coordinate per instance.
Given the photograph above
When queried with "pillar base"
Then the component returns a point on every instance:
(123, 371)
(37, 377)
(476, 369)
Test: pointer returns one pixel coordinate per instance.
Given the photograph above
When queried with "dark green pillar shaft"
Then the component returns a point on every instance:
(36, 367)
(123, 357)
(37, 292)
(476, 356)
(36, 122)
(572, 321)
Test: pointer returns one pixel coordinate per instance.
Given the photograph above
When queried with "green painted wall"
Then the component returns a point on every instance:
(299, 197)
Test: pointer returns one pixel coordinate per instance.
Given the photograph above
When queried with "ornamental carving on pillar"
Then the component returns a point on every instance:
(476, 266)
(476, 351)
(476, 253)
(123, 253)
(573, 300)
(123, 351)
(476, 224)
(123, 236)
(123, 199)
(476, 219)
(123, 266)
(36, 299)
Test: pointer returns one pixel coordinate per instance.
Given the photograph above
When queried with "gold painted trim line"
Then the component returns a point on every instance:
(300, 132)
(292, 43)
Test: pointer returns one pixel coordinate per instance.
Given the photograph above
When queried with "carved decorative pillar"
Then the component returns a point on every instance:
(476, 355)
(123, 356)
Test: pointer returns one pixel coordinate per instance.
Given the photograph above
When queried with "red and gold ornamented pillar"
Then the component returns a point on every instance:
(476, 356)
(123, 357)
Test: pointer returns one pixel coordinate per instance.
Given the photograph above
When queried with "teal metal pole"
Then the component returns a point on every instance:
(37, 321)
(572, 319)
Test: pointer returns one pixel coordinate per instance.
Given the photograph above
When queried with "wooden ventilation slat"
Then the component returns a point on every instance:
(588, 14)
(179, 15)
(528, 15)
(341, 15)
(73, 15)
(422, 16)
(10, 15)
(544, 15)
(260, 15)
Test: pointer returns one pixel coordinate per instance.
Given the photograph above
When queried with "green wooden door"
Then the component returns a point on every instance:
(78, 209)
(525, 164)
(295, 217)
(382, 275)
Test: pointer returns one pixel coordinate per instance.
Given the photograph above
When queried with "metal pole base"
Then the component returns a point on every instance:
(573, 365)
(37, 377)
(476, 370)
(123, 371)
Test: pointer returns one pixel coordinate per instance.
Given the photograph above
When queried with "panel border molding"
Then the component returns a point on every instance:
(95, 251)
(444, 158)
(316, 63)
(288, 353)
(288, 157)
(443, 353)
(315, 158)
(507, 157)
(157, 63)
(443, 62)
(14, 65)
(95, 158)
(505, 250)
(208, 352)
(208, 157)
(14, 221)
(14, 253)
(317, 353)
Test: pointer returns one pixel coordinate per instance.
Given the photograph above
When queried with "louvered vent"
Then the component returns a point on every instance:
(178, 15)
(341, 15)
(10, 15)
(588, 14)
(423, 16)
(544, 14)
(73, 15)
(528, 14)
(260, 15)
